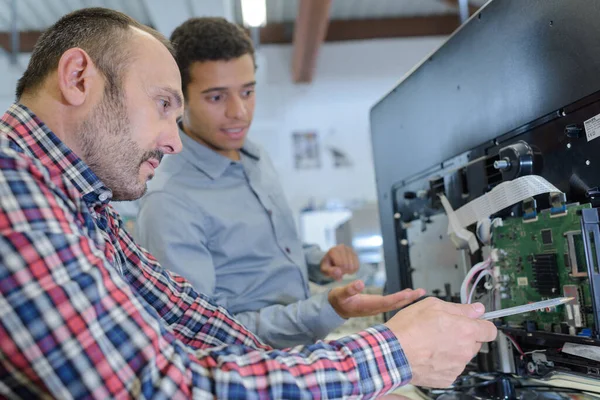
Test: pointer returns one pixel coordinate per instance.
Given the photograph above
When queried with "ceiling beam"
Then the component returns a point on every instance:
(310, 29)
(381, 28)
(338, 30)
(391, 28)
(27, 40)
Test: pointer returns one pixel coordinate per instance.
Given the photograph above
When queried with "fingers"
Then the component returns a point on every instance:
(331, 271)
(405, 296)
(344, 258)
(374, 304)
(351, 289)
(417, 293)
(353, 263)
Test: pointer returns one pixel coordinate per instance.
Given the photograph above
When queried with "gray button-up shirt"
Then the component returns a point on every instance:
(226, 226)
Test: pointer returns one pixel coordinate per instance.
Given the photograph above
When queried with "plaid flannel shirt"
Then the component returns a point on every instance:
(87, 313)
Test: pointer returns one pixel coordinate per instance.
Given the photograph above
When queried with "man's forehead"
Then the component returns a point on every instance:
(154, 63)
(223, 74)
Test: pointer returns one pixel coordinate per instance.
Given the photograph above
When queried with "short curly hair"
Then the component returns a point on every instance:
(208, 39)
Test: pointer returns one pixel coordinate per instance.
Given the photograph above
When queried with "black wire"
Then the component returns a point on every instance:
(478, 385)
(554, 389)
(514, 380)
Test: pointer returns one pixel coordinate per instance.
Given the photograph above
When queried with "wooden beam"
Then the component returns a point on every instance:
(391, 28)
(381, 28)
(338, 30)
(27, 40)
(309, 32)
(454, 3)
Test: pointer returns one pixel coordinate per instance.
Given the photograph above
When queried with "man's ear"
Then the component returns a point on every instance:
(76, 74)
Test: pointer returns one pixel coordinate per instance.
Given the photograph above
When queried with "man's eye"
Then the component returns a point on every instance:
(248, 93)
(215, 98)
(165, 104)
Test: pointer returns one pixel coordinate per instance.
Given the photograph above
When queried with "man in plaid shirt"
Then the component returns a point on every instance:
(85, 312)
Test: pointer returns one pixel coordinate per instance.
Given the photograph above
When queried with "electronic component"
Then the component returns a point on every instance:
(575, 249)
(558, 204)
(573, 308)
(547, 236)
(545, 272)
(529, 209)
(532, 270)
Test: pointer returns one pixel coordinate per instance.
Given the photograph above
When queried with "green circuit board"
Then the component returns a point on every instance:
(541, 259)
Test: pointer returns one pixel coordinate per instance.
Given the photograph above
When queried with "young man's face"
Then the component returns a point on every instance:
(126, 135)
(220, 104)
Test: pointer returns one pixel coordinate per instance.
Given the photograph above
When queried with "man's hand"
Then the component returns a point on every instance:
(348, 302)
(339, 261)
(440, 338)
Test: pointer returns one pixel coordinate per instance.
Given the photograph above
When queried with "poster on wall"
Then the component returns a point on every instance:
(306, 150)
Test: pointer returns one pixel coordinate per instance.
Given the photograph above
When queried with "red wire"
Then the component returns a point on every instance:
(514, 342)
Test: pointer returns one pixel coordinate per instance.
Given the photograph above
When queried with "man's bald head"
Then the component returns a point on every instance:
(102, 33)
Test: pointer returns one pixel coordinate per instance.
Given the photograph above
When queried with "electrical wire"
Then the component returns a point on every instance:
(515, 344)
(491, 378)
(482, 274)
(464, 287)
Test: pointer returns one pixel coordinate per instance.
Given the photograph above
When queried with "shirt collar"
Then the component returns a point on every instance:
(36, 140)
(209, 161)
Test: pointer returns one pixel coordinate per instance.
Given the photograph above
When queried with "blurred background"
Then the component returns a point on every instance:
(322, 64)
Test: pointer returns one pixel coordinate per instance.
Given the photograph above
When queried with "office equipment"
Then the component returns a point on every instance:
(512, 98)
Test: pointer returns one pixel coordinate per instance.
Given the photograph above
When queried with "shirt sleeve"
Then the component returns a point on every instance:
(182, 246)
(302, 322)
(72, 326)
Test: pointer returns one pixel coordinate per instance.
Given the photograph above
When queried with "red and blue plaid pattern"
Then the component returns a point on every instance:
(86, 313)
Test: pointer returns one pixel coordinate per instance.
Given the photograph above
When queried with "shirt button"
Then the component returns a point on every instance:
(103, 196)
(287, 249)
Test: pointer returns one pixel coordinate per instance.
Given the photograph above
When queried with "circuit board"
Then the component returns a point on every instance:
(544, 258)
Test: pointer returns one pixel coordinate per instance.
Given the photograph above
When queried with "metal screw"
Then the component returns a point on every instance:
(587, 162)
(404, 242)
(568, 145)
(397, 216)
(501, 164)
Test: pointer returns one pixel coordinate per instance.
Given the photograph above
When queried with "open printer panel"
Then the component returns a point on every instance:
(514, 93)
(542, 247)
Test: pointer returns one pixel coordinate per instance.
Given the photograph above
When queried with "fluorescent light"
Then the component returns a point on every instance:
(254, 13)
(366, 242)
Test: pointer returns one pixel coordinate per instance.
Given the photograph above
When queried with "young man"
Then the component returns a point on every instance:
(86, 313)
(216, 213)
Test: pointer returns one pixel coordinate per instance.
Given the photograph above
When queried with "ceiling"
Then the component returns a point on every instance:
(304, 23)
(37, 15)
(286, 10)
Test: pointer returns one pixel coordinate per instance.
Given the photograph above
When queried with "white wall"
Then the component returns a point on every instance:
(350, 78)
(9, 75)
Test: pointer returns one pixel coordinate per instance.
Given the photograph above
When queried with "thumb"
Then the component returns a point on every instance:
(352, 289)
